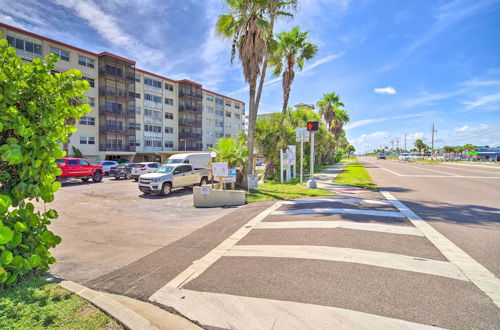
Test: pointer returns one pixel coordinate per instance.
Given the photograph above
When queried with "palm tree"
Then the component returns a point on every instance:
(292, 48)
(341, 118)
(327, 106)
(246, 26)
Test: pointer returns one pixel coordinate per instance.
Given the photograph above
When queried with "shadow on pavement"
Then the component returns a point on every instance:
(175, 193)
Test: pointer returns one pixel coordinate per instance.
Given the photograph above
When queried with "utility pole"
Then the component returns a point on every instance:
(432, 143)
(405, 142)
(397, 145)
(392, 146)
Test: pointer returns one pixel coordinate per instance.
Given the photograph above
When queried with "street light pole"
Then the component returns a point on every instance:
(184, 140)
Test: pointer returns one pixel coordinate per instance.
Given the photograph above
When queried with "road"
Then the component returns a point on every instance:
(461, 201)
(352, 260)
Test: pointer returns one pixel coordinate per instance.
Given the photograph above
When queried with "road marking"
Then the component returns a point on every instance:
(366, 257)
(466, 169)
(340, 211)
(200, 265)
(339, 200)
(390, 229)
(426, 169)
(477, 273)
(236, 312)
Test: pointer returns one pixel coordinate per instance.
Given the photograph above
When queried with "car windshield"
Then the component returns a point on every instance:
(175, 161)
(165, 169)
(139, 165)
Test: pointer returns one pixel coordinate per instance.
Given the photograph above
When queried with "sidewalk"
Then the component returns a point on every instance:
(324, 180)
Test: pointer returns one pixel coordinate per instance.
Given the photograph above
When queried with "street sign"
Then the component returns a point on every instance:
(231, 176)
(312, 126)
(219, 169)
(291, 154)
(301, 134)
(472, 152)
(253, 181)
(205, 190)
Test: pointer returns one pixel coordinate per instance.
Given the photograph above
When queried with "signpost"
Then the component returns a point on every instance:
(231, 176)
(292, 150)
(283, 163)
(220, 170)
(312, 126)
(301, 135)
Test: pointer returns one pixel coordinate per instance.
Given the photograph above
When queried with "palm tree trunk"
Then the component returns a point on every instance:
(286, 95)
(264, 66)
(252, 119)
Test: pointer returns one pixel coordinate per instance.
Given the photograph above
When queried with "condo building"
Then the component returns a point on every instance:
(136, 114)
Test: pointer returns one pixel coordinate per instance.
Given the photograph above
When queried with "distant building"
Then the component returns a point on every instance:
(304, 106)
(488, 154)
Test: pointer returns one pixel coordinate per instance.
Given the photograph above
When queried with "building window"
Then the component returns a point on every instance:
(210, 134)
(134, 126)
(169, 144)
(135, 95)
(210, 109)
(210, 145)
(228, 103)
(236, 105)
(91, 101)
(228, 125)
(25, 45)
(151, 97)
(219, 101)
(152, 142)
(63, 55)
(219, 135)
(87, 140)
(228, 135)
(137, 78)
(113, 70)
(152, 128)
(152, 82)
(134, 110)
(85, 61)
(237, 116)
(219, 113)
(133, 142)
(169, 87)
(169, 115)
(219, 124)
(87, 121)
(152, 113)
(169, 130)
(169, 101)
(228, 114)
(90, 80)
(210, 98)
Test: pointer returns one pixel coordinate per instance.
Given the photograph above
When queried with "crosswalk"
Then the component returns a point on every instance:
(326, 263)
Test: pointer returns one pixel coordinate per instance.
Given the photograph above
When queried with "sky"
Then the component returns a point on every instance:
(398, 66)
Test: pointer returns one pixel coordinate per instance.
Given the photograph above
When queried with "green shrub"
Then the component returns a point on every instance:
(77, 152)
(35, 106)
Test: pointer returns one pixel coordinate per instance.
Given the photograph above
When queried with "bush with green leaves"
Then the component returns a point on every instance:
(35, 107)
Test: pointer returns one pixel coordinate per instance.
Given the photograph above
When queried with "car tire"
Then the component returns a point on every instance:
(166, 189)
(128, 176)
(136, 179)
(97, 176)
(117, 177)
(203, 181)
(85, 179)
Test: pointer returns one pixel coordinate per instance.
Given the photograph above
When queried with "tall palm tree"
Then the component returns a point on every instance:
(246, 26)
(341, 118)
(327, 106)
(292, 48)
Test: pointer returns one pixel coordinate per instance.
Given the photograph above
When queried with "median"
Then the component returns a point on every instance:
(355, 174)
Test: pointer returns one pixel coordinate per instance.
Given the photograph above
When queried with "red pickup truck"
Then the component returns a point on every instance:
(78, 168)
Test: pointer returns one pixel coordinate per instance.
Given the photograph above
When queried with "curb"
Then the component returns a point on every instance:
(120, 312)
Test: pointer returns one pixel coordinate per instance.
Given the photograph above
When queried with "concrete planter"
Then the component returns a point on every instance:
(217, 197)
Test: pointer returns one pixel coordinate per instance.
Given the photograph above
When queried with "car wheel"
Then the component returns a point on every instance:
(166, 189)
(117, 177)
(128, 176)
(85, 179)
(203, 181)
(136, 180)
(97, 176)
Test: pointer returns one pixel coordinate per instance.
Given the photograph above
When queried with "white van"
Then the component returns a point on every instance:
(197, 160)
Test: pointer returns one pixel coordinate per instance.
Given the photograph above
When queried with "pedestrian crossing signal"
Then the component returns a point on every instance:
(312, 126)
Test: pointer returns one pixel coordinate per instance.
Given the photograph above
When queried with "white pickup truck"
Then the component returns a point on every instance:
(172, 176)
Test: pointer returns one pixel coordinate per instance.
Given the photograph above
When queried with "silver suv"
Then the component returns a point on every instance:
(143, 168)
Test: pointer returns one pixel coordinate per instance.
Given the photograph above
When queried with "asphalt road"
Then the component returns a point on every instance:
(462, 202)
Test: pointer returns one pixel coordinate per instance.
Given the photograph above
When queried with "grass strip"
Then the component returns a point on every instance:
(273, 190)
(38, 304)
(354, 174)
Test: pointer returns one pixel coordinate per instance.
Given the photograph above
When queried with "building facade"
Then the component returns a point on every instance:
(136, 114)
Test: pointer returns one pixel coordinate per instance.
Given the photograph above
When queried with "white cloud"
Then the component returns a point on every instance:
(365, 122)
(483, 100)
(386, 90)
(428, 98)
(480, 83)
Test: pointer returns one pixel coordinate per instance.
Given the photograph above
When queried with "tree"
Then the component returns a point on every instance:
(232, 151)
(327, 105)
(34, 107)
(292, 48)
(420, 145)
(350, 150)
(77, 152)
(341, 118)
(246, 26)
(448, 149)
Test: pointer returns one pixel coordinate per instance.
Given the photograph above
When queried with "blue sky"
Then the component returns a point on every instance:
(399, 66)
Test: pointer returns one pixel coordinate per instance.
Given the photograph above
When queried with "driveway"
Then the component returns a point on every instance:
(108, 225)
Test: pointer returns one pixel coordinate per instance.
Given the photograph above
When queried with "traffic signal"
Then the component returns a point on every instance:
(312, 126)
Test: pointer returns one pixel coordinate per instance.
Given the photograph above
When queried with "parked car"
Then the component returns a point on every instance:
(172, 176)
(143, 168)
(405, 156)
(380, 156)
(122, 171)
(197, 160)
(107, 165)
(79, 168)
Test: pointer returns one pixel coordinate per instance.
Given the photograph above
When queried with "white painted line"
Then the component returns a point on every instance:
(426, 169)
(477, 273)
(366, 257)
(468, 169)
(200, 265)
(382, 228)
(340, 211)
(237, 312)
(338, 200)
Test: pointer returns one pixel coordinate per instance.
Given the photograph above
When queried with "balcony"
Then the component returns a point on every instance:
(189, 122)
(188, 107)
(194, 95)
(193, 136)
(111, 147)
(105, 129)
(117, 73)
(117, 92)
(107, 110)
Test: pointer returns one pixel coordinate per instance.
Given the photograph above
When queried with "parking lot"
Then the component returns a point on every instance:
(110, 224)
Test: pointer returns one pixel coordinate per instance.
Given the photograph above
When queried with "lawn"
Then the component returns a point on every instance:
(273, 190)
(38, 304)
(354, 174)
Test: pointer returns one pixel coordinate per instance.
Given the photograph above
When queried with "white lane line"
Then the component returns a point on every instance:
(236, 312)
(200, 265)
(477, 273)
(467, 169)
(338, 200)
(426, 169)
(382, 228)
(340, 211)
(366, 257)
(492, 167)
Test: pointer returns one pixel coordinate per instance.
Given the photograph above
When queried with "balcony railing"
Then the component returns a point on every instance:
(118, 92)
(116, 73)
(111, 147)
(195, 95)
(107, 129)
(189, 122)
(194, 136)
(187, 107)
(104, 109)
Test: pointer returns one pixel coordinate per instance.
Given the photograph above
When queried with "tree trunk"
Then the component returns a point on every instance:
(286, 95)
(252, 118)
(264, 66)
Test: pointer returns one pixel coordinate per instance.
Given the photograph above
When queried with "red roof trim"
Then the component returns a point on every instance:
(117, 57)
(34, 35)
(155, 75)
(227, 97)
